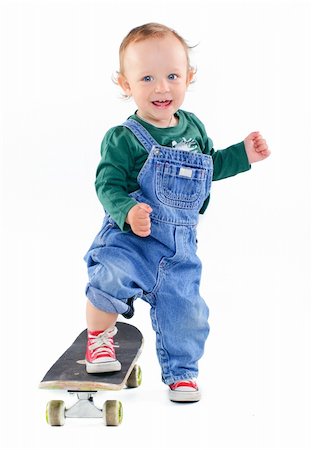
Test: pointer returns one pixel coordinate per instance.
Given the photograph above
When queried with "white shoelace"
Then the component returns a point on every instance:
(103, 340)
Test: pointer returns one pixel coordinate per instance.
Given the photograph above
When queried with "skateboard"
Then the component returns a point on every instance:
(69, 373)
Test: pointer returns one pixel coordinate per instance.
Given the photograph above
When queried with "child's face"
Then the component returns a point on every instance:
(156, 75)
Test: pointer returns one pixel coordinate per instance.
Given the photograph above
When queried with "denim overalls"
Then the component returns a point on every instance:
(163, 268)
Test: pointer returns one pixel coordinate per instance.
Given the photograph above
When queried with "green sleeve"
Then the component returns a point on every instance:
(230, 161)
(112, 176)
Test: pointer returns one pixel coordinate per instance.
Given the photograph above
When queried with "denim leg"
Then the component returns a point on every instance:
(180, 316)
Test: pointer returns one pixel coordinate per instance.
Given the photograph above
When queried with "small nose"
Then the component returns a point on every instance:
(161, 86)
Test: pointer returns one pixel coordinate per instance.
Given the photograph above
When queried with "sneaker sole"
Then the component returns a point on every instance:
(184, 396)
(114, 366)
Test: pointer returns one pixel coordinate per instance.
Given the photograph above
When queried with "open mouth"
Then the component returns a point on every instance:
(162, 103)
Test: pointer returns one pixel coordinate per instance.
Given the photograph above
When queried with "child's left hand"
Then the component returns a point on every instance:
(256, 147)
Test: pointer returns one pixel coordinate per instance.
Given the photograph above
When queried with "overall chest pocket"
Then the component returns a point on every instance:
(180, 186)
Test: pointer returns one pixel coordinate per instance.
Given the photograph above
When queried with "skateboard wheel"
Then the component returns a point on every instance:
(135, 378)
(55, 413)
(113, 412)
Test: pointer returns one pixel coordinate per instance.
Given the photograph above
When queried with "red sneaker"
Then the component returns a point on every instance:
(184, 391)
(100, 354)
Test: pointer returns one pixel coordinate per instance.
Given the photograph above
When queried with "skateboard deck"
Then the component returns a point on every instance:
(69, 371)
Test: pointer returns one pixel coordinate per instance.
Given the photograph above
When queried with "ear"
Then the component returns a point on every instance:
(124, 84)
(190, 76)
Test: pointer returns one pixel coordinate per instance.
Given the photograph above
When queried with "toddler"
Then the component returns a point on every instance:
(153, 181)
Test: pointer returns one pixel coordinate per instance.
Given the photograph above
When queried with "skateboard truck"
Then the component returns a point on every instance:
(84, 407)
(56, 412)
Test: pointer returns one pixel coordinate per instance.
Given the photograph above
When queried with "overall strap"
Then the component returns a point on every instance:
(141, 134)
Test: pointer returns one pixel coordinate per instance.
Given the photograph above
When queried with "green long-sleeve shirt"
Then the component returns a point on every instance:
(123, 157)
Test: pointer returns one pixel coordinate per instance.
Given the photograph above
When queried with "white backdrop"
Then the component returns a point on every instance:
(57, 101)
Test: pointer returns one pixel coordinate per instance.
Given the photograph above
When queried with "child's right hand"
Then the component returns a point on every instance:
(139, 219)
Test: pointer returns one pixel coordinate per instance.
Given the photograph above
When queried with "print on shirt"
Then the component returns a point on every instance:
(189, 145)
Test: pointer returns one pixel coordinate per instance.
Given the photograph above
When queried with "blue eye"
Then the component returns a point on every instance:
(148, 78)
(172, 76)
